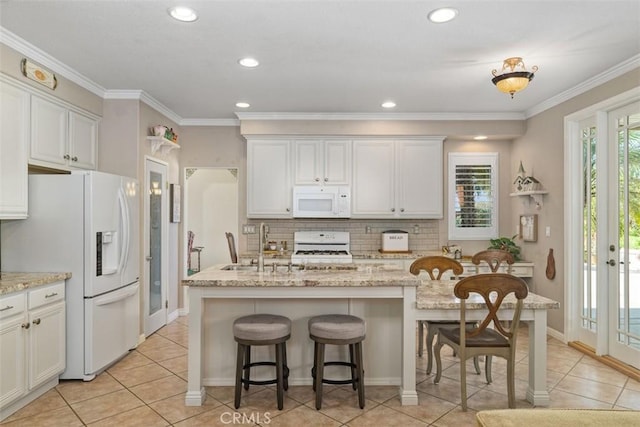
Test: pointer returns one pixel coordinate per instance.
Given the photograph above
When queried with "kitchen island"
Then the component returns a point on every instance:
(384, 296)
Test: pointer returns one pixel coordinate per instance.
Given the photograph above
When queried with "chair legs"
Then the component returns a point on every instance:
(421, 340)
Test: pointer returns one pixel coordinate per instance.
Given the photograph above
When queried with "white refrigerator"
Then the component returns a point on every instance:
(86, 223)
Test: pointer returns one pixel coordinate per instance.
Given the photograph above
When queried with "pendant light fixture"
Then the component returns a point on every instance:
(514, 77)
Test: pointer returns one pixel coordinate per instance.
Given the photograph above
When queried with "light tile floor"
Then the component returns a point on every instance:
(146, 388)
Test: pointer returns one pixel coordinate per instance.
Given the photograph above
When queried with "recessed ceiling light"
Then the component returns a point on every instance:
(243, 105)
(388, 104)
(480, 137)
(444, 14)
(182, 13)
(249, 62)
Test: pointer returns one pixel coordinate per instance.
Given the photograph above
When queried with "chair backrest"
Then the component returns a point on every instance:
(431, 264)
(493, 257)
(232, 247)
(493, 288)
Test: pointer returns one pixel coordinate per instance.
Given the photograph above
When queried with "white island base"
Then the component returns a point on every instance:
(389, 312)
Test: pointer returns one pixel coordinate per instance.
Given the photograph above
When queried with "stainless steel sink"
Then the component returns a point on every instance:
(268, 268)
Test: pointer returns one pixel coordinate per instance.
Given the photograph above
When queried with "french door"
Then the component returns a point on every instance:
(156, 227)
(610, 285)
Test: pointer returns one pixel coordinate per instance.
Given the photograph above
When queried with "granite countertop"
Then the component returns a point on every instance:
(438, 294)
(15, 282)
(364, 255)
(313, 275)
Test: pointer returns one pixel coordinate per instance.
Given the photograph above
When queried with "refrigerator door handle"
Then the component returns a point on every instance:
(116, 296)
(126, 224)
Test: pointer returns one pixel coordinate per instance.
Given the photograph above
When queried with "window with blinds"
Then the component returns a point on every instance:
(473, 196)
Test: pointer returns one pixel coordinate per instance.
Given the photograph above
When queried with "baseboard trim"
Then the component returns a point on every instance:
(619, 366)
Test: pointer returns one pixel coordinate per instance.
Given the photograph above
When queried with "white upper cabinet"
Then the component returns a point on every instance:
(62, 137)
(14, 149)
(397, 178)
(419, 175)
(269, 188)
(373, 192)
(321, 162)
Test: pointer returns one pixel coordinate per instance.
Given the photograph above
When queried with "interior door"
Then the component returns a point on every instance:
(156, 226)
(624, 235)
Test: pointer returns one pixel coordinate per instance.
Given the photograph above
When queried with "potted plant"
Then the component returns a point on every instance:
(506, 244)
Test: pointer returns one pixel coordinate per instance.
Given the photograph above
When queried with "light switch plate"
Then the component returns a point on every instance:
(248, 229)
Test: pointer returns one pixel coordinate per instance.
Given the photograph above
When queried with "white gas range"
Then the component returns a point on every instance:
(321, 247)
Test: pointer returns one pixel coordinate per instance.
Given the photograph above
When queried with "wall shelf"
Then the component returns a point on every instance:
(162, 144)
(536, 195)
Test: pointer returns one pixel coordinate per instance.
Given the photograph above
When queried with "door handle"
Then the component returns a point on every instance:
(611, 262)
(148, 257)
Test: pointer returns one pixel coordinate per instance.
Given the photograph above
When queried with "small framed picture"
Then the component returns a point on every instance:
(174, 202)
(39, 74)
(529, 228)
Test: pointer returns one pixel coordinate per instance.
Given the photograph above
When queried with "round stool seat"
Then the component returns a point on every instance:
(337, 327)
(261, 327)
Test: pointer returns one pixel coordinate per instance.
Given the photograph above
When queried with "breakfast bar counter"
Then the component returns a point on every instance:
(385, 296)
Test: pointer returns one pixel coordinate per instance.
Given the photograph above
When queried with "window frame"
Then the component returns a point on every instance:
(469, 159)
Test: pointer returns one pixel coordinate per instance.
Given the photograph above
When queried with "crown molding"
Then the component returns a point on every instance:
(610, 74)
(46, 60)
(381, 116)
(210, 122)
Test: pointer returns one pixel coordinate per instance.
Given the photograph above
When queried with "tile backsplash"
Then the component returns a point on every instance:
(427, 237)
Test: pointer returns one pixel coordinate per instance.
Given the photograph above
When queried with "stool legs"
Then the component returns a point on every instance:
(243, 369)
(356, 367)
(319, 373)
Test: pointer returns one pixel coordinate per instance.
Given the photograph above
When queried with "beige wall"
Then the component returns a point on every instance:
(66, 89)
(119, 138)
(541, 152)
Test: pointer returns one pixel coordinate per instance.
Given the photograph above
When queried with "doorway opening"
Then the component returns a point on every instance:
(211, 209)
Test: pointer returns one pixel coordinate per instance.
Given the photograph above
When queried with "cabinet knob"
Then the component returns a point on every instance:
(401, 209)
(26, 325)
(37, 321)
(326, 180)
(66, 157)
(317, 179)
(288, 210)
(74, 158)
(393, 209)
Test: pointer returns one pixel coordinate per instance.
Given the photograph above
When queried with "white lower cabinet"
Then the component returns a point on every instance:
(32, 344)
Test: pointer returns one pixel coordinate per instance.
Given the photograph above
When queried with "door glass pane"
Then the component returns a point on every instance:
(155, 242)
(590, 260)
(628, 304)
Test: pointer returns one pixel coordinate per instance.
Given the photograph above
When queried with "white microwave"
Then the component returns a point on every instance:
(321, 201)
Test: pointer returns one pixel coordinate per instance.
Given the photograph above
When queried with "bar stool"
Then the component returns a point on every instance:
(337, 329)
(257, 330)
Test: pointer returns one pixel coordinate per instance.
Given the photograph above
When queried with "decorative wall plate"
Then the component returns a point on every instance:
(39, 74)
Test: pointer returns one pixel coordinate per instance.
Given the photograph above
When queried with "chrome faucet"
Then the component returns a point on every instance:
(261, 238)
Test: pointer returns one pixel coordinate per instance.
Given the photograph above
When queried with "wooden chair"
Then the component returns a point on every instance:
(472, 342)
(232, 247)
(493, 257)
(433, 264)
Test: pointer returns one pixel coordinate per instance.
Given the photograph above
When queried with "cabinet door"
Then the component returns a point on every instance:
(83, 135)
(46, 343)
(269, 189)
(14, 151)
(337, 162)
(12, 358)
(307, 162)
(419, 174)
(48, 132)
(373, 179)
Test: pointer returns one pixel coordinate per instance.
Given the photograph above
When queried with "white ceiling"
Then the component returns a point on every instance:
(343, 57)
